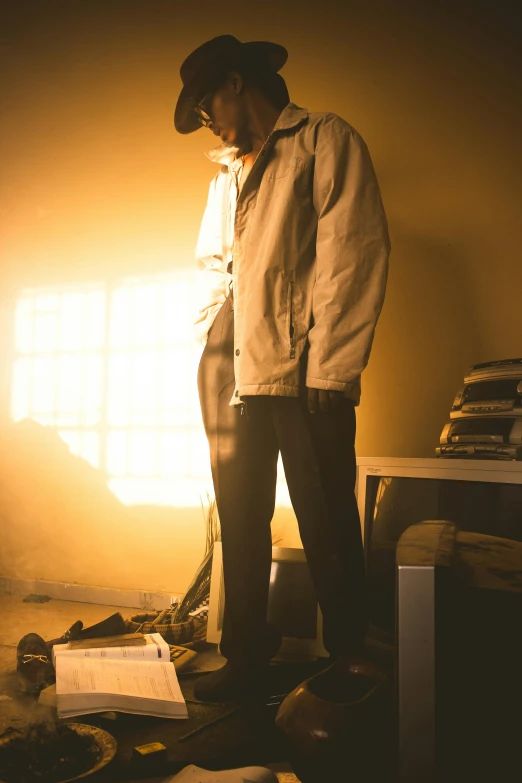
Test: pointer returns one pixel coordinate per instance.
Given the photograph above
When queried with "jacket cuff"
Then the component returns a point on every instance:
(351, 389)
(320, 383)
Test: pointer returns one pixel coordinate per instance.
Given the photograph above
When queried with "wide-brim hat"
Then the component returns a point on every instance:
(204, 68)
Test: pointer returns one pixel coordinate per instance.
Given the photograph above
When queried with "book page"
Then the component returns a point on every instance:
(155, 649)
(143, 680)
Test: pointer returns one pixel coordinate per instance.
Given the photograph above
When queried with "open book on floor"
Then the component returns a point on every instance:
(137, 678)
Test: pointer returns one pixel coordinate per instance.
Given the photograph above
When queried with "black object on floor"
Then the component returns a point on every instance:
(229, 684)
(111, 626)
(34, 598)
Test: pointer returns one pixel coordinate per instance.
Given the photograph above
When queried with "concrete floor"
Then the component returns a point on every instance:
(50, 620)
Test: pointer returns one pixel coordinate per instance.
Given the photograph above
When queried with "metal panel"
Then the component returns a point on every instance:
(416, 673)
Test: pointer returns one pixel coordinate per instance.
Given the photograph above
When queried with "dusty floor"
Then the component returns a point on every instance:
(50, 620)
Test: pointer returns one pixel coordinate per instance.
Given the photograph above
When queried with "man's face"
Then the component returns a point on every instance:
(227, 110)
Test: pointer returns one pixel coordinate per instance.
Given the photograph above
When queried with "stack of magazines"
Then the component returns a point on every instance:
(486, 415)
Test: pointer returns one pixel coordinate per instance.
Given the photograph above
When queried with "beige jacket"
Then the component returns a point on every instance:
(309, 241)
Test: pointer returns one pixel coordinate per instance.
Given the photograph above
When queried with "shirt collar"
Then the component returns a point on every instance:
(226, 154)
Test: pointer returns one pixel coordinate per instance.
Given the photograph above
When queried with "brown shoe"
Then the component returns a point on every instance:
(34, 665)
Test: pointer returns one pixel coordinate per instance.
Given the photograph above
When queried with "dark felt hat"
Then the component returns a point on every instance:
(207, 64)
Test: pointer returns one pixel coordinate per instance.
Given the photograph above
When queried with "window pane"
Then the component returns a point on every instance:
(117, 448)
(178, 313)
(71, 321)
(22, 375)
(90, 448)
(145, 315)
(118, 408)
(169, 418)
(24, 321)
(67, 419)
(94, 319)
(71, 383)
(44, 383)
(143, 453)
(174, 457)
(46, 332)
(175, 386)
(93, 389)
(120, 318)
(47, 302)
(144, 384)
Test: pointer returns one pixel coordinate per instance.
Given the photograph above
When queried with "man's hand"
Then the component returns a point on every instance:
(322, 400)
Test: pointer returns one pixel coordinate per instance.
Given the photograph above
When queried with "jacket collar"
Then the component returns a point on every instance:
(292, 115)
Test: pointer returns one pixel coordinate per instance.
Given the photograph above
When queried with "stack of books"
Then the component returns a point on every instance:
(131, 673)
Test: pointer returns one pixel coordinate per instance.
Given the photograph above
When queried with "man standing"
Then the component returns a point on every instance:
(293, 259)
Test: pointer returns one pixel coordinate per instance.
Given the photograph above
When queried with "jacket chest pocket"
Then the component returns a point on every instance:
(279, 168)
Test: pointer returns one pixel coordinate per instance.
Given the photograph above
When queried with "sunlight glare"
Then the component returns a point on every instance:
(20, 403)
(174, 448)
(46, 332)
(70, 383)
(118, 403)
(44, 384)
(143, 453)
(71, 321)
(120, 318)
(145, 315)
(24, 326)
(117, 452)
(120, 385)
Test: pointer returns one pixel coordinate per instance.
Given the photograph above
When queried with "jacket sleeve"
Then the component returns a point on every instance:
(211, 278)
(352, 251)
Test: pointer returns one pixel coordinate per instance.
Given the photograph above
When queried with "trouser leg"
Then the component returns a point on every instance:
(318, 453)
(243, 454)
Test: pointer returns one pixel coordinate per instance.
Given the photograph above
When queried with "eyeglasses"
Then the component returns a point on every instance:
(201, 110)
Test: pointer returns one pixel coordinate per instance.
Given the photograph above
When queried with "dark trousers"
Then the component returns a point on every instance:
(318, 457)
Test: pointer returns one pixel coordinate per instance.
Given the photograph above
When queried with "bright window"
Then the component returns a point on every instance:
(114, 369)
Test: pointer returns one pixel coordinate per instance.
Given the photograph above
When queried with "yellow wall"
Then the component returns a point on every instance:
(95, 182)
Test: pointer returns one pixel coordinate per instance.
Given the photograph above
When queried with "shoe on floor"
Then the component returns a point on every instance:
(230, 684)
(111, 626)
(33, 664)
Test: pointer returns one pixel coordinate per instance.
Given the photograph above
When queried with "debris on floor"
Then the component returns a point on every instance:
(34, 598)
(45, 751)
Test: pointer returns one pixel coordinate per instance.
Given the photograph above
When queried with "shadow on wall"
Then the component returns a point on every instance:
(428, 336)
(60, 522)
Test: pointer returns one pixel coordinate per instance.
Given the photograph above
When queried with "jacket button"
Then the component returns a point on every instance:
(237, 394)
(237, 351)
